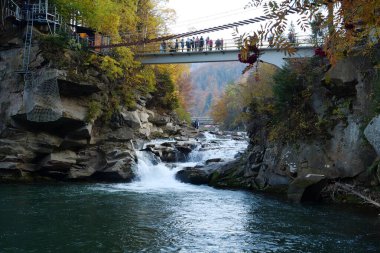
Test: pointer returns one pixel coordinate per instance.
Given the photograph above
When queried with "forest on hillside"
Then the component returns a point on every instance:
(209, 81)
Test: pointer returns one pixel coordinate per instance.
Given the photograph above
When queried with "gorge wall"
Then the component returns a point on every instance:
(344, 100)
(71, 145)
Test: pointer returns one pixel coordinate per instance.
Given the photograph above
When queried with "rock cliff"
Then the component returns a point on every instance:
(47, 130)
(302, 168)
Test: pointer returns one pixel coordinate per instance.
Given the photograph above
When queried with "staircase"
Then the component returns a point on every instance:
(28, 42)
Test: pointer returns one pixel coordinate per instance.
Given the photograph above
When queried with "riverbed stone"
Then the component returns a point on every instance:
(214, 160)
(193, 176)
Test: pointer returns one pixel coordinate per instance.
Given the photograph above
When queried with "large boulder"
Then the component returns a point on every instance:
(84, 132)
(26, 145)
(123, 134)
(62, 160)
(88, 162)
(159, 120)
(70, 88)
(372, 133)
(73, 117)
(172, 151)
(119, 167)
(104, 163)
(307, 188)
(144, 116)
(193, 176)
(132, 119)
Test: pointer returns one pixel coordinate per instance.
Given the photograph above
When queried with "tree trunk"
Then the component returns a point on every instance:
(351, 190)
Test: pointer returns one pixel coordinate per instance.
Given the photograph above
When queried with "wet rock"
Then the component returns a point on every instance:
(172, 151)
(119, 171)
(228, 175)
(214, 160)
(181, 138)
(306, 188)
(118, 168)
(193, 176)
(169, 154)
(168, 144)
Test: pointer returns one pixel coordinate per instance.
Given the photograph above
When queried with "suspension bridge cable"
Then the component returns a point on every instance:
(202, 31)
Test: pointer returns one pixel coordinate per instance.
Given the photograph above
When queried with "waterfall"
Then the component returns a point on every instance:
(150, 174)
(154, 175)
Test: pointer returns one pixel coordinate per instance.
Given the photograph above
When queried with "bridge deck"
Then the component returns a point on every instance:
(269, 55)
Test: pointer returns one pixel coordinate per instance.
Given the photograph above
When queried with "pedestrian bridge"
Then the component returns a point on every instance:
(204, 120)
(229, 52)
(268, 55)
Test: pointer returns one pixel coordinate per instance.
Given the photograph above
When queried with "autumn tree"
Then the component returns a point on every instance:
(350, 23)
(231, 110)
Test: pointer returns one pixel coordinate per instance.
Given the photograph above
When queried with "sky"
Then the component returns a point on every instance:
(199, 14)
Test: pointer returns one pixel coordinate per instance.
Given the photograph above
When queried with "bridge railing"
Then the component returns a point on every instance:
(230, 44)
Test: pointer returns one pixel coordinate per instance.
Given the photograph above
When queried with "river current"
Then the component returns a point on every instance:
(156, 213)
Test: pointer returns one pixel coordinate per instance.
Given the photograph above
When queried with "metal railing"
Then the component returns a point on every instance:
(44, 14)
(39, 12)
(227, 45)
(13, 10)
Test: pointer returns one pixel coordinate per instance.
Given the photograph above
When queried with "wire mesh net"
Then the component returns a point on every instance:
(41, 96)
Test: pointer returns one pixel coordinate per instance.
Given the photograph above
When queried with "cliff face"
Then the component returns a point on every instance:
(303, 168)
(46, 125)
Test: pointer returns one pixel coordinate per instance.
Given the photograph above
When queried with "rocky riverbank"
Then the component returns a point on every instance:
(50, 127)
(316, 166)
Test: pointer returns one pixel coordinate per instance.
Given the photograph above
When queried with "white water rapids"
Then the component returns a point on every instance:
(153, 176)
(156, 213)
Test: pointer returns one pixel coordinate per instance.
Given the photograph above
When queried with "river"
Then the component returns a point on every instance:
(156, 213)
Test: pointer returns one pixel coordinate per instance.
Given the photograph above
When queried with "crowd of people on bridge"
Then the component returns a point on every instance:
(193, 44)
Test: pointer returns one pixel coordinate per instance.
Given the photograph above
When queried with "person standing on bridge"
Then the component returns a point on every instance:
(176, 45)
(197, 124)
(182, 44)
(210, 45)
(221, 44)
(188, 44)
(197, 44)
(217, 44)
(192, 41)
(207, 42)
(201, 43)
